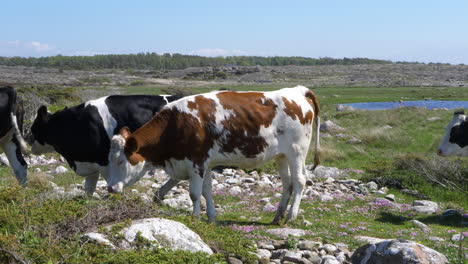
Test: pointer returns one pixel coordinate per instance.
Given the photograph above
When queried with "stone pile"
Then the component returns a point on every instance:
(324, 184)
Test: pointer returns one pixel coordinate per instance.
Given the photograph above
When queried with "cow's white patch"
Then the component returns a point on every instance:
(108, 120)
(10, 148)
(164, 96)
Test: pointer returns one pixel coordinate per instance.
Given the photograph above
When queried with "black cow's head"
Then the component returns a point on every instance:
(39, 132)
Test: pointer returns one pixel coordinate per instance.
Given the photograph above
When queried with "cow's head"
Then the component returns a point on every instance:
(126, 166)
(39, 131)
(455, 141)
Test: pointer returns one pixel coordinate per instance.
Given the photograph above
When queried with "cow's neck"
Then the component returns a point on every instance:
(149, 135)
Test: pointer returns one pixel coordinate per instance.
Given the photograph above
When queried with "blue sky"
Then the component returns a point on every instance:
(411, 30)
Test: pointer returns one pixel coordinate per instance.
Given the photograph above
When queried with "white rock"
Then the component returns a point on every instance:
(182, 202)
(98, 238)
(236, 190)
(390, 197)
(327, 259)
(264, 253)
(269, 208)
(457, 237)
(420, 225)
(164, 233)
(325, 198)
(286, 232)
(60, 170)
(330, 248)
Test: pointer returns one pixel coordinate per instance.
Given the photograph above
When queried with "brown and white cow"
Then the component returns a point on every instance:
(196, 133)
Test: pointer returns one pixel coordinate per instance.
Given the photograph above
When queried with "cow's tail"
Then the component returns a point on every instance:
(17, 134)
(309, 94)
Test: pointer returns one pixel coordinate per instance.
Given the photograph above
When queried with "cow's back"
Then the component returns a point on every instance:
(141, 109)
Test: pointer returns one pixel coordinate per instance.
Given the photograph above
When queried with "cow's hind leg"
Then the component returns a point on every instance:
(17, 162)
(283, 169)
(210, 209)
(159, 196)
(195, 189)
(298, 180)
(90, 183)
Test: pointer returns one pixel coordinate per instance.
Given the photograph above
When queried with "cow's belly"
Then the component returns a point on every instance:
(88, 168)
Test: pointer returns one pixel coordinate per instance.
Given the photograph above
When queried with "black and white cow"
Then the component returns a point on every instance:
(11, 126)
(82, 134)
(455, 141)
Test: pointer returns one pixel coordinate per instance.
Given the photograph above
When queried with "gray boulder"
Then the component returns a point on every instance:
(425, 207)
(329, 126)
(397, 251)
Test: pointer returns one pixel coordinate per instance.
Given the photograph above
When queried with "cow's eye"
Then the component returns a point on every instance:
(119, 162)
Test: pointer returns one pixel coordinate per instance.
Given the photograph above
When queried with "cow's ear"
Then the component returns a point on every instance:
(42, 112)
(125, 132)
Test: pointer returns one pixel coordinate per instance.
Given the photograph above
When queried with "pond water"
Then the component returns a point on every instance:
(429, 104)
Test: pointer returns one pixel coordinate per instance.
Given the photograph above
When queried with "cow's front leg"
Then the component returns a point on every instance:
(90, 183)
(15, 157)
(159, 196)
(196, 186)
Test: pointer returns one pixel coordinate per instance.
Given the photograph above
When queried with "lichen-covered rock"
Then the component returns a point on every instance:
(397, 251)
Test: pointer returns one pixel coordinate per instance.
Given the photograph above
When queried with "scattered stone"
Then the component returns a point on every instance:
(263, 253)
(284, 233)
(420, 225)
(269, 208)
(372, 186)
(390, 197)
(437, 239)
(342, 108)
(397, 251)
(457, 237)
(232, 260)
(97, 238)
(425, 207)
(354, 140)
(329, 126)
(435, 118)
(326, 172)
(327, 259)
(294, 257)
(236, 190)
(325, 198)
(309, 245)
(60, 170)
(330, 248)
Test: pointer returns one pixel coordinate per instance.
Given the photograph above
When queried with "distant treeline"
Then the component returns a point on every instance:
(169, 61)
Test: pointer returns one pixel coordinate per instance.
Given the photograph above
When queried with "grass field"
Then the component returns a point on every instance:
(34, 228)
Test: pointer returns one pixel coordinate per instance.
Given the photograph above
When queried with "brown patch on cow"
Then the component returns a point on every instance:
(293, 110)
(250, 111)
(172, 134)
(206, 108)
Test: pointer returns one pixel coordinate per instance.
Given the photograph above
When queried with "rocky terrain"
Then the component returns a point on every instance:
(336, 75)
(280, 245)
